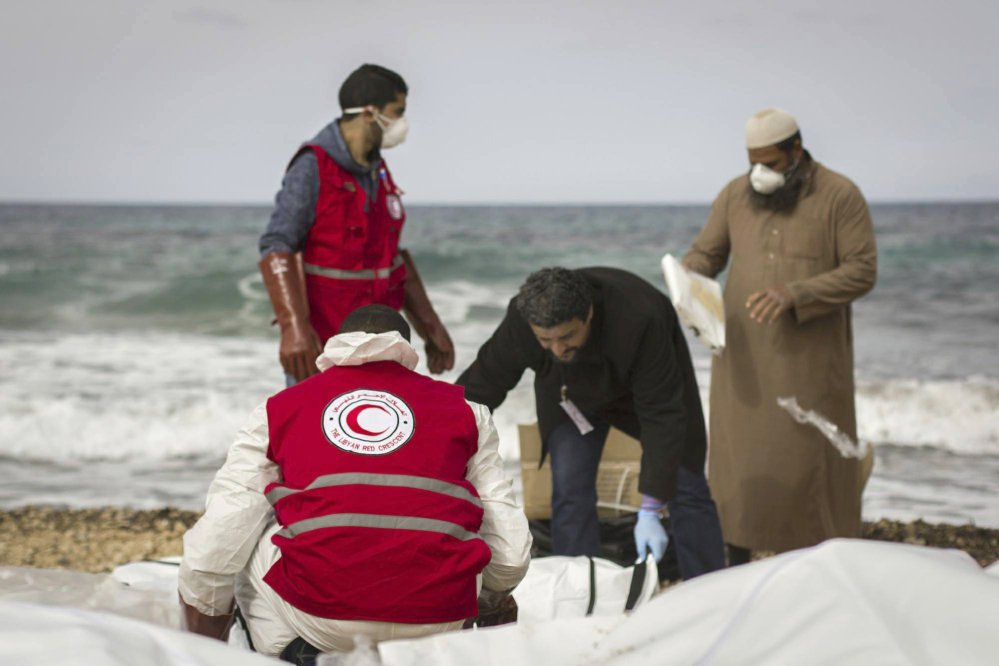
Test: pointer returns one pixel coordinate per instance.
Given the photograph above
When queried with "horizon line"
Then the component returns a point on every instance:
(445, 204)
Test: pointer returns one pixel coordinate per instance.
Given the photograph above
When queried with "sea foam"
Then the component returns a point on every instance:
(163, 396)
(961, 415)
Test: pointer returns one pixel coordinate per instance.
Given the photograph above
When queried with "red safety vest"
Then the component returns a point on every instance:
(379, 522)
(352, 256)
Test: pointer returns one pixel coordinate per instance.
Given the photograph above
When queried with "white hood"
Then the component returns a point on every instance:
(360, 348)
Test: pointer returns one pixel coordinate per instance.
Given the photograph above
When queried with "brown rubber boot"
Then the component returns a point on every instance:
(424, 319)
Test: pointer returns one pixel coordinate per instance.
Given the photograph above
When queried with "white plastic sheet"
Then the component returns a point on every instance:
(845, 602)
(152, 599)
(36, 635)
(555, 587)
(698, 302)
(559, 587)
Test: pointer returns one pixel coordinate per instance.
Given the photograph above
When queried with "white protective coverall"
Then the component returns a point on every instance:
(228, 551)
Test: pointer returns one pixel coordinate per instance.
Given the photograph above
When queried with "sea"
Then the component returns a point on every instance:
(135, 340)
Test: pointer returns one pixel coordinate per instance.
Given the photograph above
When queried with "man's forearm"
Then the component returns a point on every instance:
(710, 250)
(827, 292)
(703, 263)
(294, 208)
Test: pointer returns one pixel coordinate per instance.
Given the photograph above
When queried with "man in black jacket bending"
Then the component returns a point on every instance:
(607, 350)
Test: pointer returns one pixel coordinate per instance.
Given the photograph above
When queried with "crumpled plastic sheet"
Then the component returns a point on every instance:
(846, 446)
(95, 592)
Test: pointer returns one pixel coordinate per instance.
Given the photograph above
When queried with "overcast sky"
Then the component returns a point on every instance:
(527, 102)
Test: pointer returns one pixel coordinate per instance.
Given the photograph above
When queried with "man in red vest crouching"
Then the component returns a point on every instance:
(332, 242)
(367, 500)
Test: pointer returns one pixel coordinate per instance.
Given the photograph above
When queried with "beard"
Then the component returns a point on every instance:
(786, 198)
(569, 361)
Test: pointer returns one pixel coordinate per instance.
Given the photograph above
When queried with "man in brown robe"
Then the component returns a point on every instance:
(802, 247)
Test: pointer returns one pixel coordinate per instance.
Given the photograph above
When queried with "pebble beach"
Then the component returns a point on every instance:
(98, 540)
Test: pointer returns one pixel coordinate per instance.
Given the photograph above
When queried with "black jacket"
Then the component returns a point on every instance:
(634, 372)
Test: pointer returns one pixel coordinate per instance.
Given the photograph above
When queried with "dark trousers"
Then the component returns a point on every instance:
(575, 530)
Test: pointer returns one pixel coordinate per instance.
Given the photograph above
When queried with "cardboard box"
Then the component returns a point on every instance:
(617, 476)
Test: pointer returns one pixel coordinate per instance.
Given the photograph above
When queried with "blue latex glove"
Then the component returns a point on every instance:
(650, 535)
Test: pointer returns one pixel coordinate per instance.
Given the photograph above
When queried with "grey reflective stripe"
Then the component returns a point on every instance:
(380, 522)
(364, 274)
(389, 480)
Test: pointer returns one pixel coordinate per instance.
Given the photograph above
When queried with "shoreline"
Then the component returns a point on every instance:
(98, 540)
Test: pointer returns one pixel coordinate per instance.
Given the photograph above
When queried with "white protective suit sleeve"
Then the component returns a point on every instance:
(236, 513)
(504, 525)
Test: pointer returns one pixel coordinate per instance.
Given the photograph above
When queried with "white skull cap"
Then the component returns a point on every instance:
(768, 127)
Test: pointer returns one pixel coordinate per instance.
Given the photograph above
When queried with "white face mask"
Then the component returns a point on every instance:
(393, 131)
(765, 180)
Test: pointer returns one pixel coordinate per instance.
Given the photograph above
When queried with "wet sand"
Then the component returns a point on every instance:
(97, 540)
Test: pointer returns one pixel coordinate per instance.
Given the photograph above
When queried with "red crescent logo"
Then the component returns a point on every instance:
(381, 434)
(354, 415)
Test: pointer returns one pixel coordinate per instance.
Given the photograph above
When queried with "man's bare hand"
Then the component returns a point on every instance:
(212, 626)
(495, 609)
(768, 305)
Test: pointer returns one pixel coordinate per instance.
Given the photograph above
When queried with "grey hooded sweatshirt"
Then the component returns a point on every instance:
(295, 204)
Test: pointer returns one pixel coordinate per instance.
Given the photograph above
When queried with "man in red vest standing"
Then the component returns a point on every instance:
(332, 243)
(367, 500)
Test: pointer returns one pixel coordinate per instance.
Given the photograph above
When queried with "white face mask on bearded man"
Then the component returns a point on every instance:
(767, 181)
